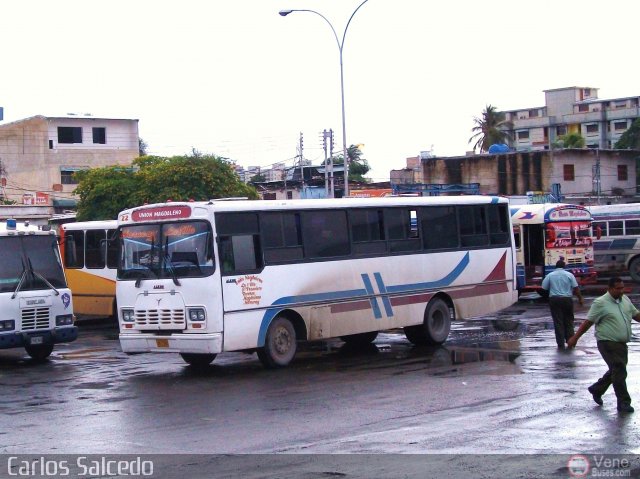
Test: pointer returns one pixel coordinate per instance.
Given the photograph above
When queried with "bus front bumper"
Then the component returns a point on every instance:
(587, 278)
(33, 338)
(210, 343)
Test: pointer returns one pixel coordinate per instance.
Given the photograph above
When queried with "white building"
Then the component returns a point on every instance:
(572, 110)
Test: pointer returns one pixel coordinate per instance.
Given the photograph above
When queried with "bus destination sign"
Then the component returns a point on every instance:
(161, 213)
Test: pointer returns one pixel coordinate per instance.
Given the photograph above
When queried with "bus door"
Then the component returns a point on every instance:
(533, 248)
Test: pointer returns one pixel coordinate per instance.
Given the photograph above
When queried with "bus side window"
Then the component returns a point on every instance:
(516, 236)
(112, 249)
(239, 243)
(367, 231)
(325, 234)
(239, 254)
(499, 225)
(74, 249)
(439, 227)
(402, 229)
(473, 225)
(95, 249)
(281, 234)
(615, 228)
(632, 227)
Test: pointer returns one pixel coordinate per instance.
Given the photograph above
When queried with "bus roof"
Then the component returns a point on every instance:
(22, 228)
(620, 211)
(163, 210)
(90, 225)
(548, 212)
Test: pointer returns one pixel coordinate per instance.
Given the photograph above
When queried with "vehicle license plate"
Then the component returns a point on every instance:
(36, 340)
(162, 343)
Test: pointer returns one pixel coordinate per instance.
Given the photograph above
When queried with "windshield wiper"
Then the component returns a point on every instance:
(169, 264)
(42, 278)
(22, 277)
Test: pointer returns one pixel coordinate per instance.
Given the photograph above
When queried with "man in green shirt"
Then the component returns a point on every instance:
(612, 314)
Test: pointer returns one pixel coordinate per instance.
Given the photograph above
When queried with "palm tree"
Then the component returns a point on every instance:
(490, 129)
(570, 140)
(358, 166)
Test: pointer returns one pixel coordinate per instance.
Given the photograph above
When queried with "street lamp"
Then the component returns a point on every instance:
(284, 13)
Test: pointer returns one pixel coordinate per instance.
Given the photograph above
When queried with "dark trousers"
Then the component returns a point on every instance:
(562, 313)
(615, 355)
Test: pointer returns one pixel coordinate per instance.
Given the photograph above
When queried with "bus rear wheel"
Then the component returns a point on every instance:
(39, 352)
(360, 339)
(435, 328)
(634, 269)
(198, 360)
(280, 344)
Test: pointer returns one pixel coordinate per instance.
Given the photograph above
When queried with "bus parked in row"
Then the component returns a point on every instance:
(616, 245)
(90, 261)
(36, 310)
(546, 233)
(202, 278)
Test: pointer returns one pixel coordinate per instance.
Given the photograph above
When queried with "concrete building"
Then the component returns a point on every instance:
(40, 154)
(579, 173)
(572, 110)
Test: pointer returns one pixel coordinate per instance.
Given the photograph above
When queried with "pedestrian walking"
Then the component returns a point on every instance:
(562, 285)
(612, 314)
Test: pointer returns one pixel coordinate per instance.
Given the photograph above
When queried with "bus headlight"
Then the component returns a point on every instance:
(128, 316)
(7, 325)
(64, 320)
(196, 314)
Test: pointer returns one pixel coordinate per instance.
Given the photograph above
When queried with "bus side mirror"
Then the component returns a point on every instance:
(598, 232)
(551, 234)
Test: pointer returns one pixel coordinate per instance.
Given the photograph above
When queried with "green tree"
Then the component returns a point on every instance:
(358, 166)
(259, 178)
(630, 139)
(491, 128)
(142, 147)
(190, 177)
(570, 140)
(104, 192)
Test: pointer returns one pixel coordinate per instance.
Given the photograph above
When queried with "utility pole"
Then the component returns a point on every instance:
(327, 191)
(300, 157)
(3, 180)
(331, 183)
(598, 182)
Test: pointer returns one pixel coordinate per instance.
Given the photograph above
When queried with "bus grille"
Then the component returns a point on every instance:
(169, 318)
(575, 260)
(35, 318)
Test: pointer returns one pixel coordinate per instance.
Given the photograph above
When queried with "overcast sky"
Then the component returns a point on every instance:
(235, 79)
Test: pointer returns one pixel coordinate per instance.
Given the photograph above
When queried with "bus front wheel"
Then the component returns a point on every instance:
(280, 344)
(39, 352)
(435, 327)
(634, 269)
(198, 360)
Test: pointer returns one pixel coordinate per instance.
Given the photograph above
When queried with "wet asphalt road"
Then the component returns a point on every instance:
(499, 385)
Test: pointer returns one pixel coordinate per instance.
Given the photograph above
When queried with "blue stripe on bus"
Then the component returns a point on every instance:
(353, 295)
(373, 300)
(385, 299)
(623, 243)
(446, 281)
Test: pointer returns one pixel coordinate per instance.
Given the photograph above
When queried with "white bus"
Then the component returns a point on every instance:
(90, 261)
(547, 232)
(616, 246)
(36, 309)
(201, 278)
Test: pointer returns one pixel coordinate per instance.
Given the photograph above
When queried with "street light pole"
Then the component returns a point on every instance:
(345, 158)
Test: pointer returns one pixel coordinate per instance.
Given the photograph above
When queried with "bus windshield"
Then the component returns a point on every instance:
(34, 257)
(168, 250)
(569, 233)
